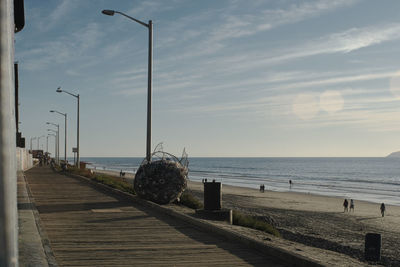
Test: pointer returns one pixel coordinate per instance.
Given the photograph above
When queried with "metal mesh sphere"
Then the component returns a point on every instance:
(160, 181)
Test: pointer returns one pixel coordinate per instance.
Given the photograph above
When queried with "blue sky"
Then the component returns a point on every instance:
(231, 77)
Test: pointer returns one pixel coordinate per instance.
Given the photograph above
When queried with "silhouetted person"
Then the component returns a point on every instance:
(120, 173)
(351, 205)
(345, 205)
(383, 208)
(290, 183)
(262, 188)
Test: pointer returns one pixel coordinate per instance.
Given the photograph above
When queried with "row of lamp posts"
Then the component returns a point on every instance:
(56, 133)
(148, 25)
(38, 141)
(59, 90)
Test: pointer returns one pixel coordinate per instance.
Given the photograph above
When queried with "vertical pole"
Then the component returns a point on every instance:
(65, 143)
(77, 138)
(150, 68)
(16, 96)
(58, 144)
(8, 166)
(55, 147)
(47, 144)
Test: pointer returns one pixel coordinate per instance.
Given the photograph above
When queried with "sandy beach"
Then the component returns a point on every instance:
(315, 220)
(318, 220)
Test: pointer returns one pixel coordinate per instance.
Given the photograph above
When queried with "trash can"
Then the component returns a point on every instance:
(82, 165)
(212, 196)
(373, 247)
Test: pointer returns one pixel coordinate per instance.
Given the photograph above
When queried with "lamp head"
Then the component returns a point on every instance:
(51, 110)
(59, 90)
(108, 12)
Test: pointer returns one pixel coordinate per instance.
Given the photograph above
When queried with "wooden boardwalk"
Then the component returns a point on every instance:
(86, 227)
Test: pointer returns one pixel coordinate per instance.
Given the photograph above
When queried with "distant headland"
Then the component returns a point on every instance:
(394, 155)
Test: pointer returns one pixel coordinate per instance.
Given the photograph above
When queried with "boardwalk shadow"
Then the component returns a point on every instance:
(130, 218)
(25, 206)
(251, 256)
(54, 208)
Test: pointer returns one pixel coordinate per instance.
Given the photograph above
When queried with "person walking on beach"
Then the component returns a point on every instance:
(383, 208)
(351, 205)
(290, 184)
(345, 205)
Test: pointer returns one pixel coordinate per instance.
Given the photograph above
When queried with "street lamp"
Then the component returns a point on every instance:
(38, 140)
(77, 127)
(65, 142)
(57, 146)
(57, 155)
(55, 143)
(149, 74)
(32, 138)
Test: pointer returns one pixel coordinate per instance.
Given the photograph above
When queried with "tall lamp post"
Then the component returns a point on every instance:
(65, 142)
(38, 140)
(57, 150)
(77, 127)
(149, 25)
(32, 138)
(55, 143)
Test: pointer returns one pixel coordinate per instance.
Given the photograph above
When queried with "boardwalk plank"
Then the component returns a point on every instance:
(86, 227)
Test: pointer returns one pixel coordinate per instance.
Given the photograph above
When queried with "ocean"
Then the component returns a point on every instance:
(371, 179)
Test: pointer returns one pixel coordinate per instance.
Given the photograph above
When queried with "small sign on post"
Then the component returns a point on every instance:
(75, 150)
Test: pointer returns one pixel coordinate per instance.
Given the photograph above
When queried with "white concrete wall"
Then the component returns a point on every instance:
(24, 159)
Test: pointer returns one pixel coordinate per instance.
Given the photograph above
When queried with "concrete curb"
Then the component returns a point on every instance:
(283, 255)
(34, 252)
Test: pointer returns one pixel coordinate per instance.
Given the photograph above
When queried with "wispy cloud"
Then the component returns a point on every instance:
(351, 40)
(219, 27)
(343, 79)
(46, 22)
(265, 19)
(342, 42)
(65, 49)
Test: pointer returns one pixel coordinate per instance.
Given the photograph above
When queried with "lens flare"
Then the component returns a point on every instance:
(305, 106)
(331, 101)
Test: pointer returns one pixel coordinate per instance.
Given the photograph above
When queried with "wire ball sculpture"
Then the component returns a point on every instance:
(164, 178)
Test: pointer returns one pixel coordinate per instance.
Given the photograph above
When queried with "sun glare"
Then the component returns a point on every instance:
(305, 106)
(331, 101)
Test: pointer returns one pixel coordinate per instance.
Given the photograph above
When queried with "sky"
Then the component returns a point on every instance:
(231, 78)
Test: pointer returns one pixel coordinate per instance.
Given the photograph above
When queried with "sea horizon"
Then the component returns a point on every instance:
(374, 179)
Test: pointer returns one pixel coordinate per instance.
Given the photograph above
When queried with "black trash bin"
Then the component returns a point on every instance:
(373, 247)
(212, 196)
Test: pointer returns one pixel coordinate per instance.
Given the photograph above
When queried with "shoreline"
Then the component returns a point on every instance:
(130, 175)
